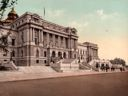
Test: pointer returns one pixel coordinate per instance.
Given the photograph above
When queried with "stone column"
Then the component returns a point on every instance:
(41, 52)
(56, 53)
(64, 42)
(69, 43)
(59, 41)
(42, 35)
(72, 43)
(39, 34)
(33, 35)
(97, 53)
(27, 34)
(53, 40)
(47, 39)
(30, 34)
(75, 44)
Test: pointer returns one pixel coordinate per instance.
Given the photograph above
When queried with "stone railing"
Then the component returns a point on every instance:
(9, 65)
(57, 66)
(69, 65)
(65, 65)
(84, 67)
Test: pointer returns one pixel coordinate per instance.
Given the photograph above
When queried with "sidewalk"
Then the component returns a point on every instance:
(19, 75)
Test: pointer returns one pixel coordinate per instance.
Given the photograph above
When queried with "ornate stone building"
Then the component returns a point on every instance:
(87, 51)
(35, 41)
(92, 51)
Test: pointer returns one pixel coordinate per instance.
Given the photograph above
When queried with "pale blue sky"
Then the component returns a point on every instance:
(104, 22)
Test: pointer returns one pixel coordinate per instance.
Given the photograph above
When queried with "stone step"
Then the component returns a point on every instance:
(36, 69)
(85, 71)
(67, 61)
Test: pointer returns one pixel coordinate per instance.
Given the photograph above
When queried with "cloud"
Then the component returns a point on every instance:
(101, 13)
(108, 30)
(78, 24)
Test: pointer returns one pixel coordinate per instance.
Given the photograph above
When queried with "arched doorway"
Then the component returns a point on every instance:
(64, 55)
(53, 54)
(60, 55)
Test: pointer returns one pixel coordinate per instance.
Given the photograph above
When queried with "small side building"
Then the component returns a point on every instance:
(87, 52)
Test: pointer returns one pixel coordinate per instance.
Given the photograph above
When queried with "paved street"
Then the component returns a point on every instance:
(111, 84)
(40, 72)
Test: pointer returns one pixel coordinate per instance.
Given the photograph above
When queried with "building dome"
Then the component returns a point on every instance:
(12, 15)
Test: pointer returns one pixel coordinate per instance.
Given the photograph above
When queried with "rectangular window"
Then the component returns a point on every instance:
(36, 41)
(36, 36)
(4, 54)
(45, 61)
(37, 61)
(13, 42)
(45, 54)
(22, 37)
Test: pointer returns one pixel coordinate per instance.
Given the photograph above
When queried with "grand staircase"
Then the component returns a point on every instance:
(66, 65)
(88, 66)
(36, 69)
(83, 66)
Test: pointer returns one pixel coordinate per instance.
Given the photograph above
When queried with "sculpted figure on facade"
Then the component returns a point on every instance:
(4, 39)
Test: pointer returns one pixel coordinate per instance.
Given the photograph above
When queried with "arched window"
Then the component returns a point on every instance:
(64, 55)
(60, 55)
(53, 54)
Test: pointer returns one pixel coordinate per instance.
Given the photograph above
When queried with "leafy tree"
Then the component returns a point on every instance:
(4, 4)
(118, 61)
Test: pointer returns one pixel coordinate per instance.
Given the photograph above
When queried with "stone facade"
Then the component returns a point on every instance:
(82, 52)
(35, 41)
(87, 51)
(92, 51)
